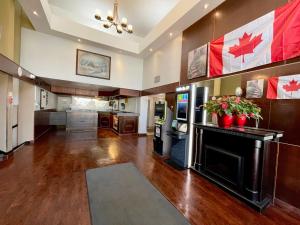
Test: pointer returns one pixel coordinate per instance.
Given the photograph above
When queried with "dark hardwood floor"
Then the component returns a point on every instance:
(44, 183)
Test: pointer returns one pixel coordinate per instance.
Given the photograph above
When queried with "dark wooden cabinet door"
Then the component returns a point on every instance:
(128, 125)
(104, 120)
(111, 121)
(83, 92)
(63, 90)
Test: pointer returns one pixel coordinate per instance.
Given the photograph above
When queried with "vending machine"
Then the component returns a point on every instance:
(189, 110)
(163, 119)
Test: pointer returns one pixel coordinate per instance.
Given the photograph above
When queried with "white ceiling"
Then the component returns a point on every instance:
(142, 14)
(153, 20)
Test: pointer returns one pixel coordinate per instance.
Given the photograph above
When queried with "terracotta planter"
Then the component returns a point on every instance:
(225, 120)
(240, 120)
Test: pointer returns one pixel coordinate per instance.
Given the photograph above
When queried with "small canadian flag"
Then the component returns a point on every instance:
(285, 87)
(271, 38)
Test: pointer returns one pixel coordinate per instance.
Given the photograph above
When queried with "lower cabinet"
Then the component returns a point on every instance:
(104, 120)
(120, 124)
(128, 124)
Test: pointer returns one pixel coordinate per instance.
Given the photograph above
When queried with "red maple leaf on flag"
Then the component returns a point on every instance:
(292, 86)
(246, 45)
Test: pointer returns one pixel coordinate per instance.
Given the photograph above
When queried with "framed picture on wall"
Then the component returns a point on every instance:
(197, 62)
(255, 88)
(93, 65)
(43, 99)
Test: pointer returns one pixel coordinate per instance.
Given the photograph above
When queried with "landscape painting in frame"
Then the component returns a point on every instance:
(92, 64)
(197, 62)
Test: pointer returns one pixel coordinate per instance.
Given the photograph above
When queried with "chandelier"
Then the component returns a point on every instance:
(112, 20)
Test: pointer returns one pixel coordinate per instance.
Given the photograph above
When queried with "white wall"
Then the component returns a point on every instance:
(53, 57)
(131, 104)
(164, 62)
(143, 110)
(52, 99)
(26, 112)
(3, 106)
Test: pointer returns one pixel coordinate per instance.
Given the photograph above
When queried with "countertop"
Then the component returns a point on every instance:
(248, 132)
(121, 113)
(118, 113)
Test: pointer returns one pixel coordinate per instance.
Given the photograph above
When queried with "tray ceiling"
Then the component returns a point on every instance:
(142, 14)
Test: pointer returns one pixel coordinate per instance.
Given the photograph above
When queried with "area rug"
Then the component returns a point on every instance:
(121, 195)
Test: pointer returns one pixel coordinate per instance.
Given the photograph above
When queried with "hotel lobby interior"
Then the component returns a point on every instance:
(162, 112)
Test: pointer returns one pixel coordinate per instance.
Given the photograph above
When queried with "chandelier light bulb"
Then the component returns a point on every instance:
(124, 22)
(97, 14)
(130, 28)
(119, 28)
(106, 25)
(110, 15)
(112, 20)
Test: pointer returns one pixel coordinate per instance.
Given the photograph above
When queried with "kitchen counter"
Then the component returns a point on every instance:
(120, 113)
(119, 121)
(81, 120)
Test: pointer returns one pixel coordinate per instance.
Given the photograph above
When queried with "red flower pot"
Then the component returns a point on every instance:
(240, 120)
(225, 120)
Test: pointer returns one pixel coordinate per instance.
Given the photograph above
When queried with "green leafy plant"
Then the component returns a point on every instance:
(230, 105)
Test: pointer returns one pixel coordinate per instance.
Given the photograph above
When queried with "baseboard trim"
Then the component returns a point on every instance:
(142, 135)
(287, 207)
(9, 154)
(40, 135)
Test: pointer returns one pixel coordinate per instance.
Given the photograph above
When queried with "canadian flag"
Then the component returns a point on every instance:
(271, 38)
(286, 87)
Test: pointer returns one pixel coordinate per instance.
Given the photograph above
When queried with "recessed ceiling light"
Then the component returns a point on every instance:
(170, 34)
(35, 13)
(150, 49)
(79, 40)
(206, 6)
(32, 76)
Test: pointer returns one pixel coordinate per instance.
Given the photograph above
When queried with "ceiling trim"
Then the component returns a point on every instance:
(184, 14)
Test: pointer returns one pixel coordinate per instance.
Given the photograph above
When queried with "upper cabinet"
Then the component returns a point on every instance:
(122, 92)
(82, 92)
(63, 90)
(73, 91)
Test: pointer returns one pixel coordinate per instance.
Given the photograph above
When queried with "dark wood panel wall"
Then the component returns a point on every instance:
(168, 88)
(278, 114)
(41, 122)
(225, 18)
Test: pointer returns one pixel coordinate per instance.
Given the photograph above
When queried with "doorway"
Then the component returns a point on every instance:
(150, 118)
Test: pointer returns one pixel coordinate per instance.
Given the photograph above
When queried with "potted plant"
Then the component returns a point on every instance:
(241, 112)
(233, 108)
(223, 107)
(246, 109)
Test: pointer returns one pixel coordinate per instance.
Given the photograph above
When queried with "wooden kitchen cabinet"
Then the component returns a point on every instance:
(104, 120)
(83, 92)
(73, 91)
(128, 124)
(63, 90)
